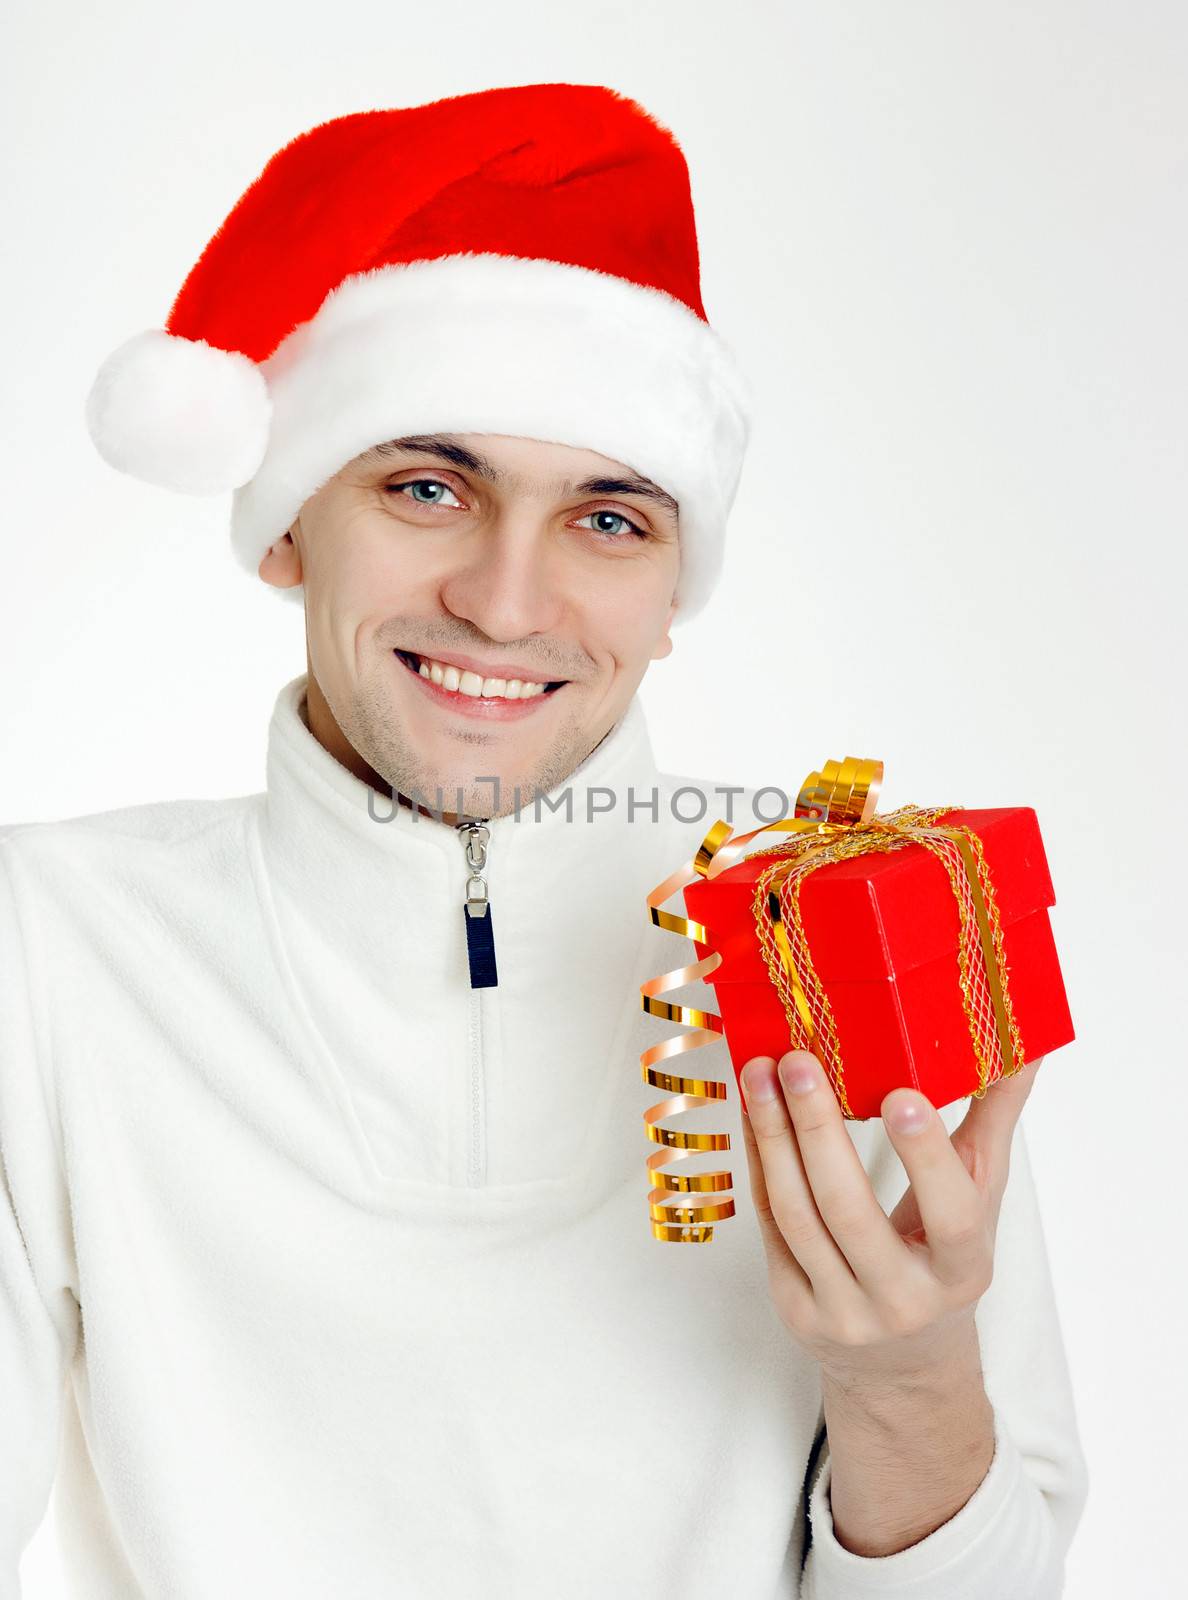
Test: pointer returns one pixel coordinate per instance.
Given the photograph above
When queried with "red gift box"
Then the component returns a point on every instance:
(883, 931)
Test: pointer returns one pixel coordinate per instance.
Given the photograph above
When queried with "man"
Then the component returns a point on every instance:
(323, 1244)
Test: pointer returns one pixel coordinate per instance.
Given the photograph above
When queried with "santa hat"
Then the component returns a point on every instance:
(519, 261)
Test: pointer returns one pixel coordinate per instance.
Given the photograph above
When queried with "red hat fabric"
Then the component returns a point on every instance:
(520, 261)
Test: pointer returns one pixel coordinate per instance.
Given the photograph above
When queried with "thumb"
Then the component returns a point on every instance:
(988, 1127)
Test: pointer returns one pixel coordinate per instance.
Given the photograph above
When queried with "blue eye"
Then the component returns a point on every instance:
(612, 526)
(421, 483)
(617, 516)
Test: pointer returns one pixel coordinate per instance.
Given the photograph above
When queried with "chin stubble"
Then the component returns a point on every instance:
(372, 726)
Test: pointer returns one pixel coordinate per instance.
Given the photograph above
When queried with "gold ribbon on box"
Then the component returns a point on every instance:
(834, 820)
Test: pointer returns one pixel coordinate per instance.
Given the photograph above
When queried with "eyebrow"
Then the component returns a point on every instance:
(446, 448)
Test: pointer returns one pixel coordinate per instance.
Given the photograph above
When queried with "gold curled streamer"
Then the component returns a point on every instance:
(834, 819)
(843, 789)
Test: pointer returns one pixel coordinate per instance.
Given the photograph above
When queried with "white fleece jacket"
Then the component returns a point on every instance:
(325, 1274)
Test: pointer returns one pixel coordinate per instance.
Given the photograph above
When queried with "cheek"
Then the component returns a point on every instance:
(632, 594)
(624, 638)
(359, 558)
(636, 613)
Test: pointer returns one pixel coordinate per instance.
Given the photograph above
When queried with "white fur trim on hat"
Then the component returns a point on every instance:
(483, 343)
(180, 413)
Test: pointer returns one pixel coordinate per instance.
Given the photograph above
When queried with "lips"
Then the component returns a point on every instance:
(487, 710)
(465, 677)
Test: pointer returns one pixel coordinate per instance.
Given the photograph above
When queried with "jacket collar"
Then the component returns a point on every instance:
(371, 917)
(303, 775)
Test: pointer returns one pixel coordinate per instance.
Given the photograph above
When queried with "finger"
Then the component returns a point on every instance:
(953, 1210)
(790, 1193)
(779, 1257)
(839, 1183)
(984, 1135)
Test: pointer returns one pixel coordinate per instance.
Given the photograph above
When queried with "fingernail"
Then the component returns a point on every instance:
(759, 1083)
(907, 1114)
(800, 1074)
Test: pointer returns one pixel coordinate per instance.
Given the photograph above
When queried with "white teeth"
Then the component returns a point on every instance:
(470, 683)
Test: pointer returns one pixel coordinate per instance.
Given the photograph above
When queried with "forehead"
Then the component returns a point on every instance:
(469, 458)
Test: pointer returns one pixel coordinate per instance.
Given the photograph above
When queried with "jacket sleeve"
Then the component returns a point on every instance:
(1012, 1535)
(39, 1312)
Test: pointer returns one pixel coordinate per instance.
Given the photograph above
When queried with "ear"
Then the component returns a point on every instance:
(281, 566)
(664, 643)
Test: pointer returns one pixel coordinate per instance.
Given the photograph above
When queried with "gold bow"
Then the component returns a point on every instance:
(834, 820)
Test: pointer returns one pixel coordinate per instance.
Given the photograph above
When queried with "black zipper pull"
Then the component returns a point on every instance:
(480, 934)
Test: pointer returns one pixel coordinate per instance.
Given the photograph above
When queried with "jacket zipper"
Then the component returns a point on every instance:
(480, 952)
(480, 936)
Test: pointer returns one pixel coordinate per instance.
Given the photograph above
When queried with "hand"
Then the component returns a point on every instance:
(868, 1295)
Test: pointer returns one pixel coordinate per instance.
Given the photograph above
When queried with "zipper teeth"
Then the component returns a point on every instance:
(475, 1173)
(477, 1093)
(475, 1168)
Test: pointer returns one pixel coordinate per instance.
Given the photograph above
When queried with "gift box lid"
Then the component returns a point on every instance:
(878, 915)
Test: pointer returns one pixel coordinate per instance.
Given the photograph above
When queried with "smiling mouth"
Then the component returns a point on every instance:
(415, 662)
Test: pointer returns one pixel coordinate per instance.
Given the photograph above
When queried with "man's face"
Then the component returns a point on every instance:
(492, 559)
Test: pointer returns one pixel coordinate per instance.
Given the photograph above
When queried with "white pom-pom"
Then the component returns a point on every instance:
(180, 413)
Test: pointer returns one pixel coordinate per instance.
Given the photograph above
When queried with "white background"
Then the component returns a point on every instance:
(945, 241)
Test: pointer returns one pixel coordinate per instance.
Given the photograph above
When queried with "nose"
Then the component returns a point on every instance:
(508, 581)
